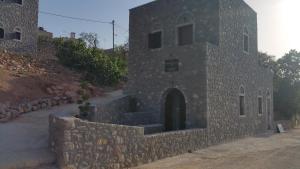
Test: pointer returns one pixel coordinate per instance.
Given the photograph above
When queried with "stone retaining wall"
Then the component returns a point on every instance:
(81, 144)
(10, 113)
(46, 49)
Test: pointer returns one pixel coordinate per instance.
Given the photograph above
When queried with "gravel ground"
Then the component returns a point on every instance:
(280, 151)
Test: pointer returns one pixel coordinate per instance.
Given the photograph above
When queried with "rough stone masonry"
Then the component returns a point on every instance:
(19, 26)
(193, 73)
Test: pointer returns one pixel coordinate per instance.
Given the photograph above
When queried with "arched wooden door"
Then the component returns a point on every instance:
(175, 111)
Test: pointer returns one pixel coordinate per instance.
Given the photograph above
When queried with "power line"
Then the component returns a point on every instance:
(113, 23)
(121, 27)
(75, 18)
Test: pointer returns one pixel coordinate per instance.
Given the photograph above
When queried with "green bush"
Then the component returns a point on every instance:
(98, 67)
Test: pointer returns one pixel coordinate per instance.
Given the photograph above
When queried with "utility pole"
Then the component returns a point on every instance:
(113, 25)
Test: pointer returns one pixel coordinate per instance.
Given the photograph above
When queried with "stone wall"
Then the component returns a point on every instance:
(229, 68)
(8, 113)
(80, 144)
(23, 16)
(46, 50)
(211, 70)
(148, 80)
(118, 111)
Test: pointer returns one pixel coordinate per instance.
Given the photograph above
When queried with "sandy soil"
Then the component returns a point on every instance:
(24, 79)
(280, 151)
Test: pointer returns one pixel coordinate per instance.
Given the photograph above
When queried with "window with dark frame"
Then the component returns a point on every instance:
(185, 35)
(242, 101)
(17, 34)
(260, 105)
(155, 40)
(20, 2)
(242, 105)
(1, 33)
(246, 40)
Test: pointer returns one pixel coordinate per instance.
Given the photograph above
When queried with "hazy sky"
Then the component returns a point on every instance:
(278, 21)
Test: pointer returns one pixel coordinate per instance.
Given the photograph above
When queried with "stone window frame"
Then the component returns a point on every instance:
(242, 94)
(181, 25)
(18, 29)
(2, 27)
(246, 33)
(162, 39)
(260, 96)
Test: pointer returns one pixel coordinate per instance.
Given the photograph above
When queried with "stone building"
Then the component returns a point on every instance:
(194, 81)
(194, 64)
(19, 26)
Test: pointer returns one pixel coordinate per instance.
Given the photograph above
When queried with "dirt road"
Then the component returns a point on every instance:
(264, 152)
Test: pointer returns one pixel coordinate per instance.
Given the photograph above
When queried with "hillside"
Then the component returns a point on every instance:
(26, 80)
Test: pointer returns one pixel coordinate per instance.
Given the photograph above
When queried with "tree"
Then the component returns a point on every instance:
(266, 60)
(91, 39)
(287, 86)
(289, 66)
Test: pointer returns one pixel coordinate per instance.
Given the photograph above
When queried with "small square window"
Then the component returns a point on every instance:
(185, 35)
(17, 36)
(155, 40)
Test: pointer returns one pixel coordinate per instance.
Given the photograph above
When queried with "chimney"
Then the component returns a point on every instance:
(72, 35)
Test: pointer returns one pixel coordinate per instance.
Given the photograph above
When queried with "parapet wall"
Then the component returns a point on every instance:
(119, 111)
(81, 144)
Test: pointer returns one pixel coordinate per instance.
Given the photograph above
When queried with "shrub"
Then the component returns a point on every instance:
(98, 67)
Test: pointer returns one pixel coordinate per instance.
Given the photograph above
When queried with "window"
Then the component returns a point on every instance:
(242, 101)
(17, 34)
(1, 31)
(185, 35)
(260, 108)
(155, 40)
(20, 2)
(260, 103)
(246, 40)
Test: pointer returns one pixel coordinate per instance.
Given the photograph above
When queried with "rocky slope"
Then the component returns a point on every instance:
(28, 84)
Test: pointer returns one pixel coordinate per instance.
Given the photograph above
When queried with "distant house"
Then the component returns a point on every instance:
(44, 34)
(18, 26)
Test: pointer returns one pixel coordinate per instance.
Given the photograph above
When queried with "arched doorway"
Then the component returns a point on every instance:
(175, 111)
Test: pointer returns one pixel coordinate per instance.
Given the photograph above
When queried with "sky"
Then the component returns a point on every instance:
(278, 21)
